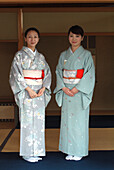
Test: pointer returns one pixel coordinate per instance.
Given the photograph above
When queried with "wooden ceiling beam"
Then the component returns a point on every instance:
(53, 1)
(70, 9)
(59, 9)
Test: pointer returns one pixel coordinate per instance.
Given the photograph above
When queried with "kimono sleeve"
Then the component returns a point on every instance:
(47, 83)
(59, 74)
(59, 81)
(16, 79)
(86, 84)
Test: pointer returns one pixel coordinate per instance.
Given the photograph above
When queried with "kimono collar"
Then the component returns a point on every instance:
(34, 52)
(77, 52)
(29, 51)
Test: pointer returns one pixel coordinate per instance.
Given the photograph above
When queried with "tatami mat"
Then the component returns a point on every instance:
(7, 125)
(13, 143)
(7, 112)
(52, 139)
(100, 139)
(3, 134)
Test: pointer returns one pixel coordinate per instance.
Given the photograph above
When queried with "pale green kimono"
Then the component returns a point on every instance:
(75, 110)
(31, 111)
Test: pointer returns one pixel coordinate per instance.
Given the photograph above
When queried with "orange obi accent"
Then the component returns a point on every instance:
(72, 76)
(42, 74)
(80, 73)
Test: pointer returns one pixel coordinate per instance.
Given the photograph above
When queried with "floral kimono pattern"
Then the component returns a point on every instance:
(31, 111)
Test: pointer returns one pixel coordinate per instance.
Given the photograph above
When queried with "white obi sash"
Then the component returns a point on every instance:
(72, 76)
(33, 77)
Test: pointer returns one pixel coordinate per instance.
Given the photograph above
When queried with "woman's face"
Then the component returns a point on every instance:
(32, 39)
(75, 40)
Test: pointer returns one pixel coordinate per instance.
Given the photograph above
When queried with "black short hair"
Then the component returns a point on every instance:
(32, 29)
(76, 29)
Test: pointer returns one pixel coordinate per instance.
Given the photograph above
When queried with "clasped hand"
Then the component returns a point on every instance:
(33, 94)
(70, 92)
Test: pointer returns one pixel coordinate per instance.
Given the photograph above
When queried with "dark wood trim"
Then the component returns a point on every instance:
(8, 10)
(51, 1)
(3, 41)
(70, 9)
(59, 9)
(88, 34)
(92, 112)
(100, 33)
(20, 28)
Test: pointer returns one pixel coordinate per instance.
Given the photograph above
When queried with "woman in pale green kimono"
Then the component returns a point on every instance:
(75, 83)
(30, 80)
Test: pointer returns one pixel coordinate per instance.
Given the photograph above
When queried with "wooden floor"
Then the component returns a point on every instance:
(100, 139)
(3, 134)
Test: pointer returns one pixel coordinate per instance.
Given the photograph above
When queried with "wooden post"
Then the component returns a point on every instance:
(20, 28)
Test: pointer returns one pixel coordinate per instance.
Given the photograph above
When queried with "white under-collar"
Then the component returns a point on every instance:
(71, 50)
(34, 52)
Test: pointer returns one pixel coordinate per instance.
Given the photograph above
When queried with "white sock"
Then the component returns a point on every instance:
(30, 159)
(69, 157)
(77, 158)
(37, 157)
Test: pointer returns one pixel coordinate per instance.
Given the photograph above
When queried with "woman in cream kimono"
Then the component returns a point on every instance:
(30, 80)
(75, 83)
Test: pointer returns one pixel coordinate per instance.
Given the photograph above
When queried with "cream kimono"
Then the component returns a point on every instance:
(31, 70)
(75, 70)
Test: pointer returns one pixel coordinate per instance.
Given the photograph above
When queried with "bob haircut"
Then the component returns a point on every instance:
(32, 29)
(76, 29)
